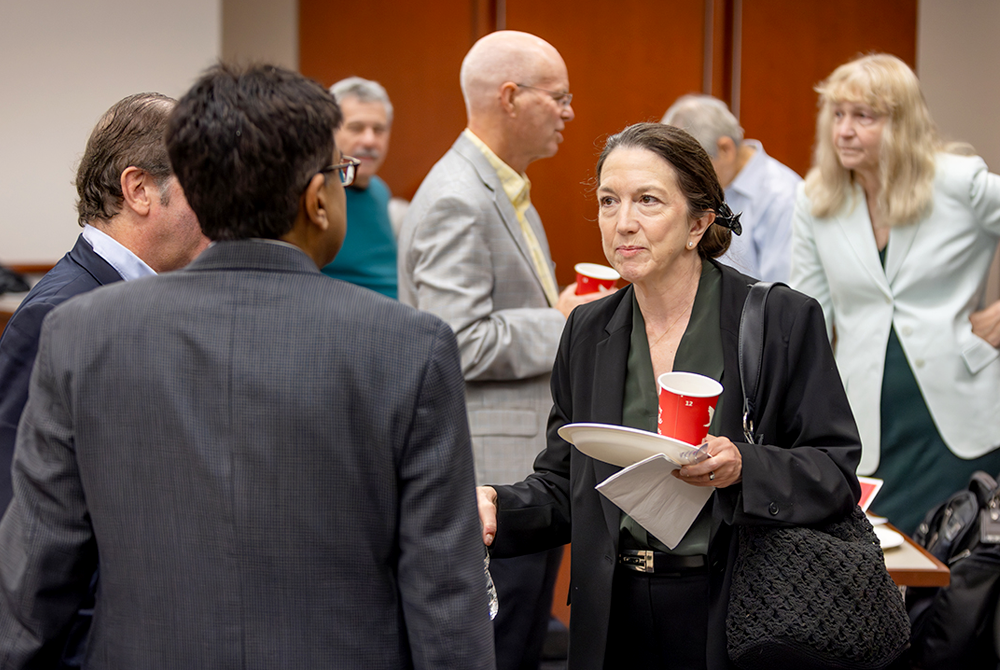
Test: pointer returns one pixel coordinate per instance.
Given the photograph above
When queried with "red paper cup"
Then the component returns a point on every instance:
(687, 403)
(590, 277)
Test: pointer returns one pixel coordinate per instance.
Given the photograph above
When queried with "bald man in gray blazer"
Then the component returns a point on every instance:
(473, 251)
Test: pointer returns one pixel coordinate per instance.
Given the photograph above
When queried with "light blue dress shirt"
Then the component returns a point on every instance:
(764, 191)
(125, 263)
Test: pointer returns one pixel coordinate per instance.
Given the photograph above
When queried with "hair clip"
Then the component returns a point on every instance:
(724, 217)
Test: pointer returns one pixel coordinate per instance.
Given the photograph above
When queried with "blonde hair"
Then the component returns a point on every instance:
(909, 140)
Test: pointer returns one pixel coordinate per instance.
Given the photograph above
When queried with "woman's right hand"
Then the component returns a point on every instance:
(486, 498)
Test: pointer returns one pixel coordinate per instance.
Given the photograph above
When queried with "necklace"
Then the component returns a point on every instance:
(669, 328)
(681, 312)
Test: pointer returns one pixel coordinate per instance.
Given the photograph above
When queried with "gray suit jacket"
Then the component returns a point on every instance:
(272, 466)
(462, 256)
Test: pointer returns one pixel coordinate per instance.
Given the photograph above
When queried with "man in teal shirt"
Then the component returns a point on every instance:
(368, 256)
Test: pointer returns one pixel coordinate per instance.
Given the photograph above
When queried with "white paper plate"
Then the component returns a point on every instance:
(888, 538)
(876, 520)
(623, 446)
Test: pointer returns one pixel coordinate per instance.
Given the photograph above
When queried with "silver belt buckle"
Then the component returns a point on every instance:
(640, 560)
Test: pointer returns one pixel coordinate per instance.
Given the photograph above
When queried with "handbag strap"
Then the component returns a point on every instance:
(751, 345)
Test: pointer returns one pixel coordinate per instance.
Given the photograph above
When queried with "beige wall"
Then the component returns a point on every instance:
(957, 56)
(65, 63)
(263, 30)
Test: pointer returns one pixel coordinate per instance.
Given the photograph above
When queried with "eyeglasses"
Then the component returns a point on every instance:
(346, 170)
(562, 99)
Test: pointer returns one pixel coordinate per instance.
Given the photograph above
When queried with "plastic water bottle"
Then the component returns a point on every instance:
(491, 590)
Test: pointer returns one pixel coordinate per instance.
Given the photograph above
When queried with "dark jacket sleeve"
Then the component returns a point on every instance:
(440, 566)
(803, 470)
(48, 547)
(18, 349)
(534, 515)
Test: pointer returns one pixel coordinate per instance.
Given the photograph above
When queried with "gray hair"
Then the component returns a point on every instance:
(708, 119)
(365, 90)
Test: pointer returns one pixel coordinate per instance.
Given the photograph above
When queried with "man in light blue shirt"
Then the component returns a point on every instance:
(757, 185)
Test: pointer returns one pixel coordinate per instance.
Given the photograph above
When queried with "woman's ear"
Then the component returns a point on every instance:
(699, 226)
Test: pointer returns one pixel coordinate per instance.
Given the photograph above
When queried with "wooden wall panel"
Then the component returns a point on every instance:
(415, 50)
(721, 64)
(626, 65)
(788, 48)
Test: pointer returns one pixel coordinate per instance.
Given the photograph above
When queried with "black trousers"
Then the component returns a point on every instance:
(658, 620)
(524, 591)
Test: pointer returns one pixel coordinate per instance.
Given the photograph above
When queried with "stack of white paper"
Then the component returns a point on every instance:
(659, 502)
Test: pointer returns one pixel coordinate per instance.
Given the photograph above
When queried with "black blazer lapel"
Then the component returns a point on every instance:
(608, 393)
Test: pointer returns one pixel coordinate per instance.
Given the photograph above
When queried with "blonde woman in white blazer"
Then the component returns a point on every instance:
(894, 237)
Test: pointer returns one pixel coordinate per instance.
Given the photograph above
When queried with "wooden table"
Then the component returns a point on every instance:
(911, 565)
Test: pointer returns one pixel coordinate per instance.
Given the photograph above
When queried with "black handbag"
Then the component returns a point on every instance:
(807, 597)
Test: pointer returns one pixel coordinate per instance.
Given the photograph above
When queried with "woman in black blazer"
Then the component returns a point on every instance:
(658, 200)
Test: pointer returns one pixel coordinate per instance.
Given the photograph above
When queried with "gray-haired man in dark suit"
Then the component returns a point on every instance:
(273, 468)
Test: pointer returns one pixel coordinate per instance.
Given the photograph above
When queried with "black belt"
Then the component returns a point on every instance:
(645, 560)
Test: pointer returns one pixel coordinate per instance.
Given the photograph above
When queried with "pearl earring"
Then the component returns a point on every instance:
(690, 245)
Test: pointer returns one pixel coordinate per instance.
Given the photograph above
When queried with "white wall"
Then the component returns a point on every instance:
(958, 55)
(65, 63)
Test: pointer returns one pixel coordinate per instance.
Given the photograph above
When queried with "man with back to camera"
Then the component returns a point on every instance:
(273, 468)
(368, 256)
(135, 222)
(757, 185)
(473, 251)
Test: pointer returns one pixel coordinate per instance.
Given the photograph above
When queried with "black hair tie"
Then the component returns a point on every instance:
(724, 217)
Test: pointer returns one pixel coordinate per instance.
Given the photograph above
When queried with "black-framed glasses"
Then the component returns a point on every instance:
(562, 99)
(347, 170)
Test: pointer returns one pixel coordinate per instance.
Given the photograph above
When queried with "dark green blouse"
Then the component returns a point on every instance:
(700, 351)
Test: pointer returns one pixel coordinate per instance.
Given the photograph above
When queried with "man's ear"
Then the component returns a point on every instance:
(137, 189)
(725, 149)
(508, 91)
(314, 200)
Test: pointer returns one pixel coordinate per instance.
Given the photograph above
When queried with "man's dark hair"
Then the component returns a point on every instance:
(129, 134)
(244, 143)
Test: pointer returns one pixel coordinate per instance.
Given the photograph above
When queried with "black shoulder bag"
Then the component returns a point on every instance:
(807, 597)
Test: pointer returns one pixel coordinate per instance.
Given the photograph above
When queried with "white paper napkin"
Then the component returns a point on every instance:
(662, 504)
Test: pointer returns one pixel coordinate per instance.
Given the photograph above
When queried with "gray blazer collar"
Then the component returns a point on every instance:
(253, 254)
(488, 175)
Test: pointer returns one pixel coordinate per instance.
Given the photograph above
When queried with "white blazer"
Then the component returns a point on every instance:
(934, 278)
